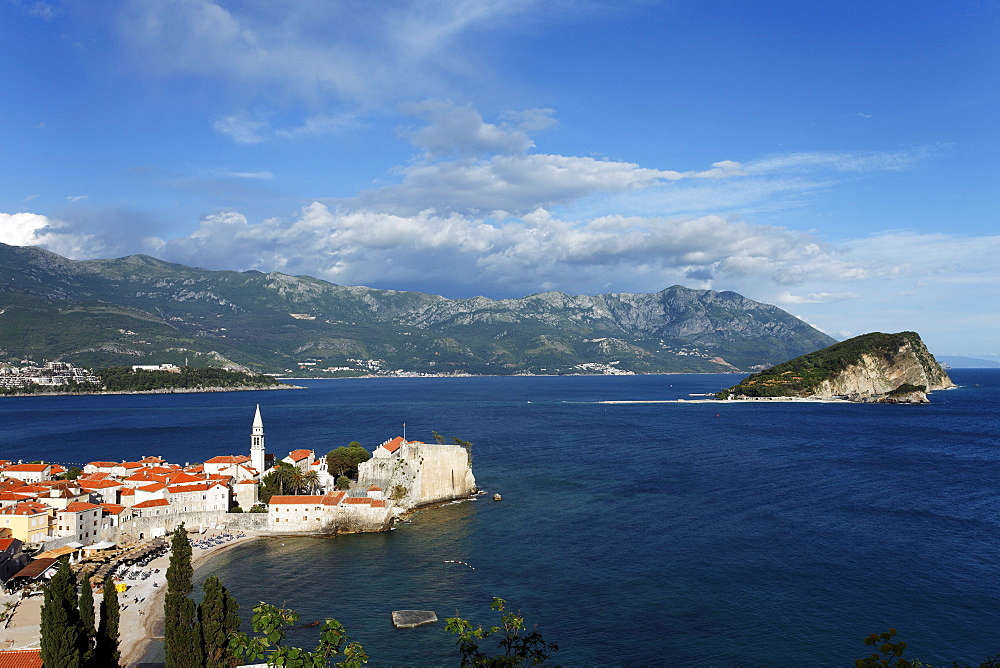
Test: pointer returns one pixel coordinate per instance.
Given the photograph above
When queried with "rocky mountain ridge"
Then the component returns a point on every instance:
(140, 310)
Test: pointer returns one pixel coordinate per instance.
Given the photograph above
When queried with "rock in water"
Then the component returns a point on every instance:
(407, 619)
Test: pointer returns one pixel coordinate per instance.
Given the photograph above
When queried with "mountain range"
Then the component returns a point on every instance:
(140, 310)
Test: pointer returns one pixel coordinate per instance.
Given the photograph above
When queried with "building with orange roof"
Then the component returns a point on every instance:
(28, 521)
(152, 508)
(29, 473)
(79, 521)
(301, 459)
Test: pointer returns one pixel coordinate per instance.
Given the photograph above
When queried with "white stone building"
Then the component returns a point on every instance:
(425, 472)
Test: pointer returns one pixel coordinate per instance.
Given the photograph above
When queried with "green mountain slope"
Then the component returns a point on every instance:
(139, 309)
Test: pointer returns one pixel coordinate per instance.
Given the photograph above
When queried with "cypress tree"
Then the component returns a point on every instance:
(219, 617)
(87, 619)
(181, 632)
(62, 632)
(106, 648)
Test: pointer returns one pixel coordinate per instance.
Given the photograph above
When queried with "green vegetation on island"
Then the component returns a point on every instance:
(801, 376)
(124, 379)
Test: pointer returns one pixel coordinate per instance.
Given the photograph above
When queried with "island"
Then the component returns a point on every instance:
(871, 368)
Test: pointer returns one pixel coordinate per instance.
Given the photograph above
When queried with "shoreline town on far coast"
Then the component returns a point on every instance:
(116, 516)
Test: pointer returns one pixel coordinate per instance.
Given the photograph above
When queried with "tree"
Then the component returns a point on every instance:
(62, 634)
(284, 479)
(343, 482)
(518, 648)
(181, 632)
(87, 619)
(345, 460)
(271, 621)
(106, 648)
(219, 617)
(890, 652)
(310, 481)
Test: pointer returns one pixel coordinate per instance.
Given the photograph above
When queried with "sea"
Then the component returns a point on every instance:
(629, 534)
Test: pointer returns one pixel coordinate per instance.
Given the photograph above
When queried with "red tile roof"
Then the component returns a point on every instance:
(374, 488)
(21, 658)
(334, 499)
(393, 444)
(378, 503)
(152, 503)
(79, 507)
(297, 499)
(102, 465)
(228, 459)
(155, 487)
(29, 468)
(5, 543)
(26, 508)
(99, 484)
(358, 500)
(112, 508)
(299, 455)
(202, 487)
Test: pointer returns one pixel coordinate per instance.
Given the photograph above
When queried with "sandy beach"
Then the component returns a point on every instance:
(141, 607)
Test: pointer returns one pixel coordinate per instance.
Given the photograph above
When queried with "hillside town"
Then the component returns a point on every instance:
(47, 375)
(113, 504)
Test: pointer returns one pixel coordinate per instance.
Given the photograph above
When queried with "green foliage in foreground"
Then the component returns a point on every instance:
(63, 636)
(123, 379)
(106, 651)
(270, 621)
(517, 648)
(798, 377)
(181, 631)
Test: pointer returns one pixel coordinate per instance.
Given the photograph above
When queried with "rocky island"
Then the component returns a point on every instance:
(871, 368)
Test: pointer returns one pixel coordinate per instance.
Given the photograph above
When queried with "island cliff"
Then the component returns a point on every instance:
(871, 368)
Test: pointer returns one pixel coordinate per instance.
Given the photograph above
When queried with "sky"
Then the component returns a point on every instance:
(840, 160)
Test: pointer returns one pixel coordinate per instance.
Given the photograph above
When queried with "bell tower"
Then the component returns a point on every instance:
(257, 444)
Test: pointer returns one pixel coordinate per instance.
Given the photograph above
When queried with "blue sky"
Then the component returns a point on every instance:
(839, 160)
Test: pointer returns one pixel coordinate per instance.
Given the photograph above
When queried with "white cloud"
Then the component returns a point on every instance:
(76, 198)
(243, 128)
(255, 176)
(462, 130)
(358, 51)
(32, 229)
(815, 297)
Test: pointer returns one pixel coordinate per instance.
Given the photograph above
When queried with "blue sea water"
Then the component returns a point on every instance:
(630, 534)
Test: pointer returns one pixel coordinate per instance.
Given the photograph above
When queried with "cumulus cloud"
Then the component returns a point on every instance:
(462, 130)
(519, 253)
(32, 229)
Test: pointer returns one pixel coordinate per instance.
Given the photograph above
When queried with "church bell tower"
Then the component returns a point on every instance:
(257, 444)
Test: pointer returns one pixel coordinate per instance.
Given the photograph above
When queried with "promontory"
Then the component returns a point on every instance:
(871, 368)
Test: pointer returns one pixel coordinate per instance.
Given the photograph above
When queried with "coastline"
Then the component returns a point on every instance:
(168, 390)
(146, 624)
